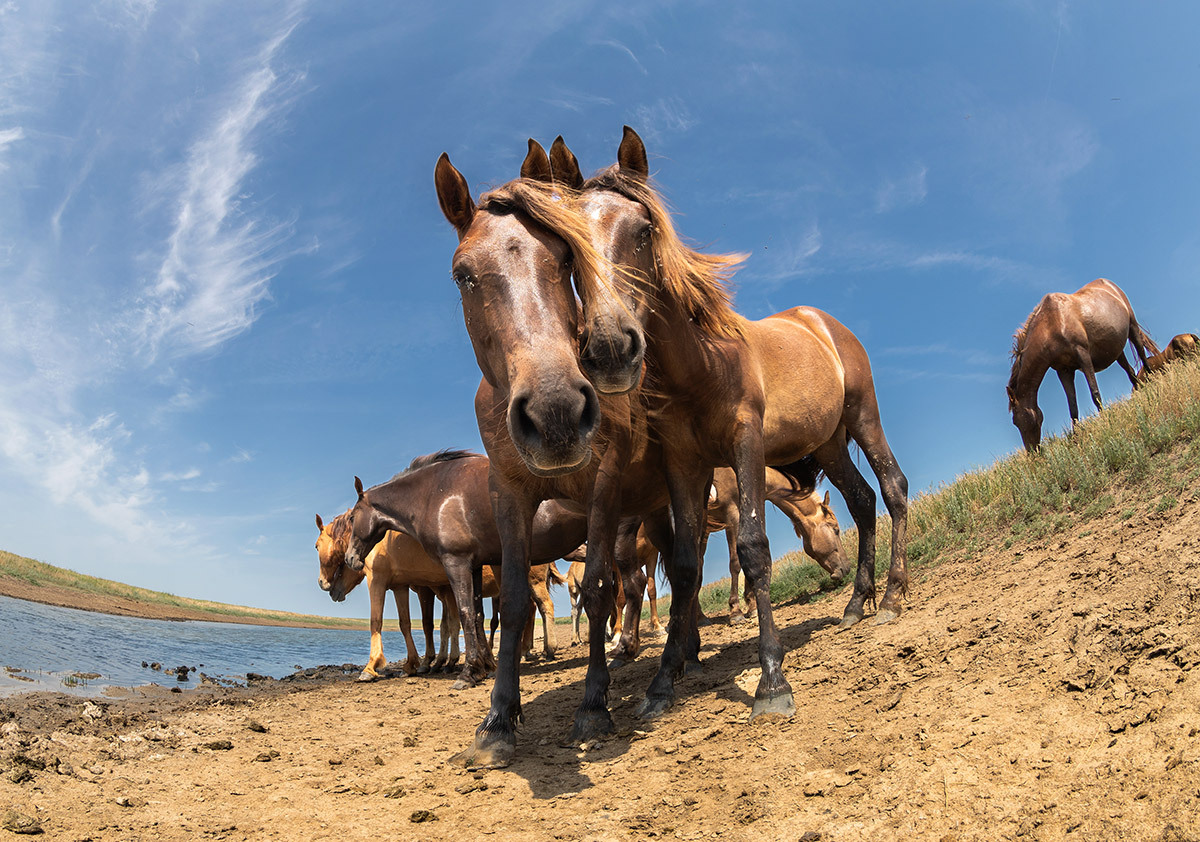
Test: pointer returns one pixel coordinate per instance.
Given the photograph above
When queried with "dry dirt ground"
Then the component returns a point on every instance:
(1047, 691)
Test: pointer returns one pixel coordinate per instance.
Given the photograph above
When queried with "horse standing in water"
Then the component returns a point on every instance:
(1084, 331)
(740, 393)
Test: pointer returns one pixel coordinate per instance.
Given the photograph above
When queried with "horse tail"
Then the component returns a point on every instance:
(1140, 340)
(553, 577)
(804, 474)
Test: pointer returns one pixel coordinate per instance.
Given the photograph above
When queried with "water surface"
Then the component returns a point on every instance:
(43, 647)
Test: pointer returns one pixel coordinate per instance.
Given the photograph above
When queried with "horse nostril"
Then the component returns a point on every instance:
(526, 427)
(589, 418)
(637, 344)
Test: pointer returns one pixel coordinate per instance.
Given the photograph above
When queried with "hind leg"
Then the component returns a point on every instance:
(894, 487)
(1128, 369)
(1089, 373)
(834, 459)
(425, 598)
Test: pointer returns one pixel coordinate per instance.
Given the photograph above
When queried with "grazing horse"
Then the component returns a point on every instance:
(396, 564)
(1181, 345)
(814, 522)
(550, 431)
(740, 393)
(1084, 331)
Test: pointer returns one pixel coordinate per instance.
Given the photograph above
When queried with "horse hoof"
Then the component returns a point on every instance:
(692, 667)
(655, 632)
(421, 671)
(849, 620)
(777, 704)
(486, 753)
(590, 725)
(738, 619)
(366, 675)
(885, 615)
(617, 663)
(653, 707)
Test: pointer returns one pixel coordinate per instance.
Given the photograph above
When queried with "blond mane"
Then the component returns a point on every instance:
(696, 282)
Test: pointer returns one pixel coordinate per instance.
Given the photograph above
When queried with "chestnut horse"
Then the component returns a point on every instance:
(442, 500)
(547, 431)
(740, 393)
(1181, 345)
(814, 522)
(647, 562)
(396, 564)
(1084, 331)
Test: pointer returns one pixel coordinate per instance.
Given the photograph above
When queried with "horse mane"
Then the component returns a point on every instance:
(553, 207)
(697, 282)
(446, 455)
(1018, 346)
(339, 527)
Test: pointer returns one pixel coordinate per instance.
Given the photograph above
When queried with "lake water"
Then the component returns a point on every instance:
(47, 645)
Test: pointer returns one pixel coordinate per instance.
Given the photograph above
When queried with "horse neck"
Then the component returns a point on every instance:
(396, 502)
(678, 349)
(1031, 370)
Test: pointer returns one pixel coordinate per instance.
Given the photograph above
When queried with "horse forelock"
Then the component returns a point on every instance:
(339, 527)
(698, 283)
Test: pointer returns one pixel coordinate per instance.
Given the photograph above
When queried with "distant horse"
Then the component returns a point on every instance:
(1182, 345)
(395, 564)
(790, 391)
(550, 431)
(1084, 331)
(647, 560)
(814, 522)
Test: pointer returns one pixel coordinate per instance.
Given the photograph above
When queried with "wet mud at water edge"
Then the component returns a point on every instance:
(1046, 691)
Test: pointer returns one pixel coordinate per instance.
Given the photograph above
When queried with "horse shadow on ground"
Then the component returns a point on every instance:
(553, 769)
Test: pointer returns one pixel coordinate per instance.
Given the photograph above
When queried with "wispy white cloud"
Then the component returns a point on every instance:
(7, 138)
(220, 257)
(180, 476)
(619, 47)
(906, 190)
(664, 117)
(788, 260)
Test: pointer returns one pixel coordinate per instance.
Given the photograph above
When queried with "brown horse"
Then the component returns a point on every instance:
(814, 522)
(442, 500)
(1084, 331)
(729, 395)
(548, 433)
(398, 563)
(395, 564)
(647, 562)
(1181, 345)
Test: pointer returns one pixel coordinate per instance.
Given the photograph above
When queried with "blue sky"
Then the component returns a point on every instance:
(224, 277)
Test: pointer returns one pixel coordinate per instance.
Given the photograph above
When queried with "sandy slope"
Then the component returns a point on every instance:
(1048, 691)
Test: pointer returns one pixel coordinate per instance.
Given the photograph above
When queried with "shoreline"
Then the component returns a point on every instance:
(62, 597)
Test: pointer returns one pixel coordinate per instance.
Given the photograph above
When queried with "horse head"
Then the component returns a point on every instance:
(366, 527)
(333, 576)
(822, 536)
(517, 249)
(1027, 418)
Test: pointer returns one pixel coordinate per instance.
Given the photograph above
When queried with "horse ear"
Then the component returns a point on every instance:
(536, 166)
(631, 155)
(1012, 396)
(358, 487)
(564, 165)
(825, 503)
(320, 526)
(453, 194)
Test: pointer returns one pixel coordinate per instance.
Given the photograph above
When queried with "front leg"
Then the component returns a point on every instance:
(425, 600)
(495, 739)
(479, 661)
(377, 661)
(592, 718)
(633, 581)
(687, 482)
(1067, 378)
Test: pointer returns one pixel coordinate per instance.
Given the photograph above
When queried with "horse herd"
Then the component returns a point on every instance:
(627, 410)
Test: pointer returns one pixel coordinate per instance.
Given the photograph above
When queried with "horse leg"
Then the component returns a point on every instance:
(1128, 369)
(894, 487)
(592, 718)
(834, 459)
(451, 627)
(425, 600)
(546, 609)
(736, 614)
(576, 605)
(495, 623)
(1067, 378)
(688, 485)
(377, 661)
(495, 739)
(633, 585)
(478, 662)
(773, 694)
(527, 632)
(1085, 363)
(658, 530)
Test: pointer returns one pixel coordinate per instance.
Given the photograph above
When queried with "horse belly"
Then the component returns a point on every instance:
(404, 562)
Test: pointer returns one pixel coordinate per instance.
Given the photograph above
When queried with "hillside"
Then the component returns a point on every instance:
(24, 578)
(1043, 683)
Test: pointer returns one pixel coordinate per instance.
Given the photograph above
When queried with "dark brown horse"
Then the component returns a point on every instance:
(729, 395)
(442, 501)
(1084, 331)
(548, 433)
(1182, 345)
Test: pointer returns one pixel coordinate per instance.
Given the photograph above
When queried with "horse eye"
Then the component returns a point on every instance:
(463, 280)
